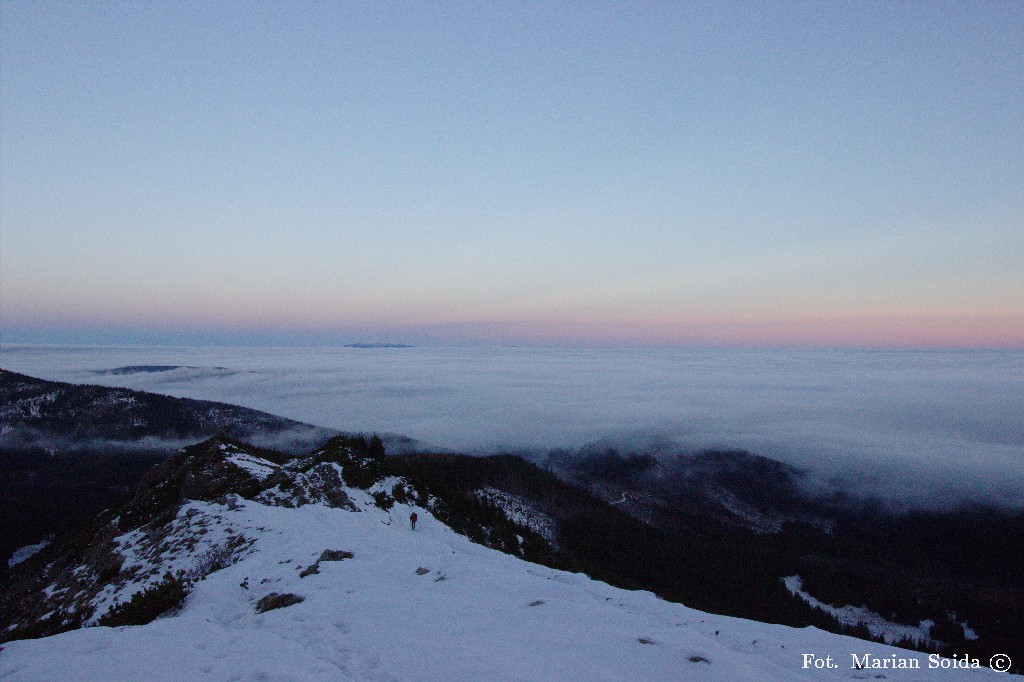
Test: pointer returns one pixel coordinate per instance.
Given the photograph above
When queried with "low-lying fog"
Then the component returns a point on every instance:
(924, 428)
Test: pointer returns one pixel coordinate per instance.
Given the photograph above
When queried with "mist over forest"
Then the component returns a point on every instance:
(915, 428)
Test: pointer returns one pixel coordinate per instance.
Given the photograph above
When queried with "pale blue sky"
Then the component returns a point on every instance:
(757, 173)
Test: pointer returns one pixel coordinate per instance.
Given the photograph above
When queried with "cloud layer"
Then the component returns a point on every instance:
(918, 428)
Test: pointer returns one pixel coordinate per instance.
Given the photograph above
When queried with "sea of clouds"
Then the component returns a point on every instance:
(920, 428)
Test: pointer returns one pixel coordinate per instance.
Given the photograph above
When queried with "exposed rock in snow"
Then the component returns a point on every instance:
(256, 466)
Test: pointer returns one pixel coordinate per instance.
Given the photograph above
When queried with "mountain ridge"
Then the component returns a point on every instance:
(36, 411)
(681, 537)
(67, 451)
(233, 564)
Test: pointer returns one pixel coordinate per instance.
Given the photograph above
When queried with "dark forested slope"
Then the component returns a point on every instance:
(68, 451)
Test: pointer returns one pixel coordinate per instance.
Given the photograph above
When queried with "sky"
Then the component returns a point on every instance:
(624, 174)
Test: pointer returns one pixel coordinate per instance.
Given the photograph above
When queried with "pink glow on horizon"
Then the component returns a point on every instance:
(869, 332)
(905, 330)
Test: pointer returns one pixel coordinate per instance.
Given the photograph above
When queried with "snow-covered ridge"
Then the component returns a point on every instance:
(316, 579)
(156, 535)
(421, 605)
(199, 532)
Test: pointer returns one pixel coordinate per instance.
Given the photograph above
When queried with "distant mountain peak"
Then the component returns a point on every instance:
(377, 345)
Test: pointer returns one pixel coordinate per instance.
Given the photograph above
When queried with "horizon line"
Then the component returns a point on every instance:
(609, 346)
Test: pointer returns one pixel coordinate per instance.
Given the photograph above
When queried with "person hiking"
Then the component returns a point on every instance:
(412, 520)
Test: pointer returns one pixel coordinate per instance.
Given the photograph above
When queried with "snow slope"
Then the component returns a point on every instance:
(424, 605)
(861, 615)
(23, 553)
